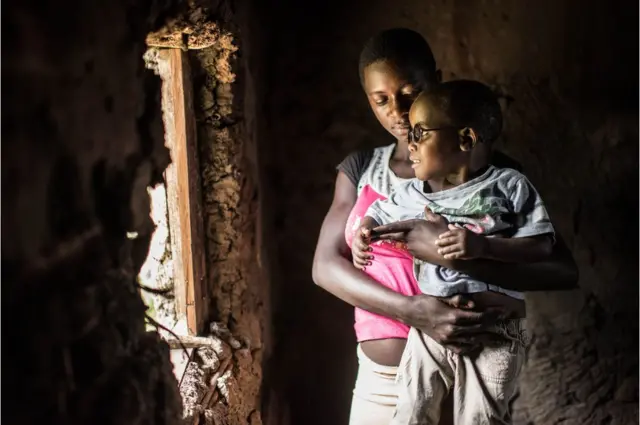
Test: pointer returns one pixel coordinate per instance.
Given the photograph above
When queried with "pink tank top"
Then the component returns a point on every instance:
(391, 267)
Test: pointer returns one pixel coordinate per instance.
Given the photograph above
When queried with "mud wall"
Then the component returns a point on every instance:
(235, 280)
(568, 69)
(83, 140)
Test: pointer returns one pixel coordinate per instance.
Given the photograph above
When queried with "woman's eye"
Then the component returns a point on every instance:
(410, 91)
(380, 102)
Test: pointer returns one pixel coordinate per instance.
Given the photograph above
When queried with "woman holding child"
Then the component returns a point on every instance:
(395, 66)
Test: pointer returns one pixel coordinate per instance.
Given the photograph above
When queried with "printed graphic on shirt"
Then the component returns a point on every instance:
(481, 213)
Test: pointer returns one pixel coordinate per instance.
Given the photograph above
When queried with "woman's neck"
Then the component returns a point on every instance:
(401, 151)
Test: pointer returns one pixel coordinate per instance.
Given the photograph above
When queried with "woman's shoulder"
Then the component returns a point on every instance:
(368, 153)
(381, 150)
(359, 155)
(354, 165)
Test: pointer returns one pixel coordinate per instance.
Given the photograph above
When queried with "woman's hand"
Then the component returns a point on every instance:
(450, 322)
(418, 235)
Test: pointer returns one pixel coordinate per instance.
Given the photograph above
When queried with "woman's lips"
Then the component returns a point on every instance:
(402, 128)
(414, 162)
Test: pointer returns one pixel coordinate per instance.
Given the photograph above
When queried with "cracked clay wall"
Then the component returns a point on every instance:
(569, 71)
(236, 282)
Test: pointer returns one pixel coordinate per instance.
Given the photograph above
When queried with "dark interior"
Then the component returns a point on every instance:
(83, 138)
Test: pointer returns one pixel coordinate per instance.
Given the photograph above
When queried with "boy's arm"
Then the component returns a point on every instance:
(532, 241)
(558, 272)
(380, 212)
(360, 249)
(368, 222)
(462, 244)
(400, 205)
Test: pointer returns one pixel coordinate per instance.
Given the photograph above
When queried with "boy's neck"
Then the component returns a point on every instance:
(462, 175)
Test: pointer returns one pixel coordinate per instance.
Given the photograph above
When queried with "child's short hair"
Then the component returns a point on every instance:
(402, 46)
(471, 104)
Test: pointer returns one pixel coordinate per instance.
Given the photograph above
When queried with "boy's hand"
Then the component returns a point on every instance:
(360, 249)
(461, 244)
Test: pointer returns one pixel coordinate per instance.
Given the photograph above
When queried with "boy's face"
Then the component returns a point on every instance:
(436, 152)
(391, 90)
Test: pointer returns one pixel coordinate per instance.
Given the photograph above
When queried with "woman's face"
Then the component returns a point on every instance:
(391, 91)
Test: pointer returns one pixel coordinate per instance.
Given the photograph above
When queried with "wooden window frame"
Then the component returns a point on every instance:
(183, 188)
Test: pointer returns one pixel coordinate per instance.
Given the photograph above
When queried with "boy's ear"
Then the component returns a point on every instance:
(468, 139)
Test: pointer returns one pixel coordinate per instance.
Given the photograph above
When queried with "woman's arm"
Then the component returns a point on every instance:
(334, 272)
(519, 250)
(558, 272)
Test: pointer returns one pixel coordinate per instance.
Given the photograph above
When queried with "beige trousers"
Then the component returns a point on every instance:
(482, 386)
(375, 393)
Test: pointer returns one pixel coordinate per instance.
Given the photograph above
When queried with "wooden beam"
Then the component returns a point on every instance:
(184, 199)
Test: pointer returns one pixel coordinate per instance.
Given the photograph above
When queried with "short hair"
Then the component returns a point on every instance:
(468, 103)
(402, 46)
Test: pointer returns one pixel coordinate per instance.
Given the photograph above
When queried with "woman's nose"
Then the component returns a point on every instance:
(412, 147)
(399, 109)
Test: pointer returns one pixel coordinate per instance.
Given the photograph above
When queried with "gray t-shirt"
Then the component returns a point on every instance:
(501, 202)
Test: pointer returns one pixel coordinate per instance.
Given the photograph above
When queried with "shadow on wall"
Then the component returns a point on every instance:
(573, 123)
(82, 142)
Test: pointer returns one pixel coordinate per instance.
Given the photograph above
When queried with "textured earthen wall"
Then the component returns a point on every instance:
(230, 202)
(569, 70)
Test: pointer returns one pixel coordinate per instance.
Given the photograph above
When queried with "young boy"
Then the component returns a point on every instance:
(493, 213)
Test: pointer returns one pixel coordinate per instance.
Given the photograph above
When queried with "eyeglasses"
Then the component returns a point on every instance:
(417, 133)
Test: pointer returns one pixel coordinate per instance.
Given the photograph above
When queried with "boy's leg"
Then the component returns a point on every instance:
(375, 394)
(425, 376)
(486, 383)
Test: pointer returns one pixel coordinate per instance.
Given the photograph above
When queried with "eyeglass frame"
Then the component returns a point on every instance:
(423, 131)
